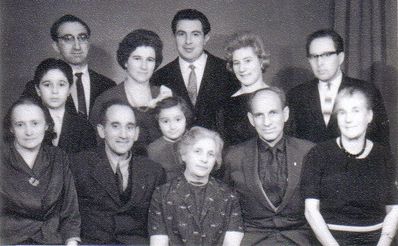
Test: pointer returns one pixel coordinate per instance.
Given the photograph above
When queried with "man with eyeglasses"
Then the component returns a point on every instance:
(311, 104)
(71, 39)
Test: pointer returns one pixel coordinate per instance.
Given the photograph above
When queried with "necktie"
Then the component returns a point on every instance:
(328, 104)
(274, 185)
(119, 179)
(81, 99)
(192, 85)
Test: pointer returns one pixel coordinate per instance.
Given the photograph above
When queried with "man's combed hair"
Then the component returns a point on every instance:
(106, 106)
(191, 14)
(65, 19)
(329, 33)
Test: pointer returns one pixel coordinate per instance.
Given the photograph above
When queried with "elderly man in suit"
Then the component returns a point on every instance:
(311, 104)
(113, 184)
(71, 39)
(265, 171)
(196, 75)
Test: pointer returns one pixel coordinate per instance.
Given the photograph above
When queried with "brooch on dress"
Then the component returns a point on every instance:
(34, 182)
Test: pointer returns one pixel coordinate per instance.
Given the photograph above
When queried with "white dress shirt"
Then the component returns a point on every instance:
(58, 117)
(324, 92)
(199, 64)
(123, 164)
(86, 87)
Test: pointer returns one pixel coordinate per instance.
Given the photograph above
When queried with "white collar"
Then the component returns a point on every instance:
(59, 113)
(198, 63)
(83, 69)
(334, 83)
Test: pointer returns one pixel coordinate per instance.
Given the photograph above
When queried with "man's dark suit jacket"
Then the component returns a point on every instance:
(98, 84)
(105, 218)
(259, 214)
(306, 119)
(217, 85)
(77, 134)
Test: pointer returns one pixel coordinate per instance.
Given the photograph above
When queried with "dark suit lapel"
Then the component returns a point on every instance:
(294, 163)
(332, 126)
(179, 84)
(314, 101)
(206, 79)
(94, 89)
(66, 129)
(104, 175)
(251, 175)
(70, 106)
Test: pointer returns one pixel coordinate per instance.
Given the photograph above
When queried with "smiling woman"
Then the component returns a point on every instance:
(349, 182)
(247, 58)
(139, 54)
(39, 201)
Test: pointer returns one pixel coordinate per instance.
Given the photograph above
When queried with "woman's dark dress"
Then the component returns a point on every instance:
(39, 204)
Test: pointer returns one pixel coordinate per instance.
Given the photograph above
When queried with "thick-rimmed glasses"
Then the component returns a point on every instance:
(70, 39)
(323, 55)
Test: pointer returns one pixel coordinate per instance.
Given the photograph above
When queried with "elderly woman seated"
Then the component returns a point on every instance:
(196, 209)
(348, 182)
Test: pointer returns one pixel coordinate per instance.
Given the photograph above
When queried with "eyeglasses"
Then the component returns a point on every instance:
(323, 55)
(70, 39)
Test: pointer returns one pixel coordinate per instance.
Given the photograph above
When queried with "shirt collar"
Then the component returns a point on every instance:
(114, 162)
(334, 83)
(200, 62)
(83, 70)
(59, 113)
(263, 146)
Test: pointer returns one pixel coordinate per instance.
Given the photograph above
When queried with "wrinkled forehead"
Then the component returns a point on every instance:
(121, 114)
(73, 28)
(188, 25)
(27, 112)
(349, 100)
(265, 101)
(322, 44)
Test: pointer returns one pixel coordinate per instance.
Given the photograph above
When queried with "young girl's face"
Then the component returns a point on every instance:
(54, 89)
(172, 122)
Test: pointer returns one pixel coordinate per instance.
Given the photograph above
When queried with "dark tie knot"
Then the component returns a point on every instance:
(78, 75)
(192, 67)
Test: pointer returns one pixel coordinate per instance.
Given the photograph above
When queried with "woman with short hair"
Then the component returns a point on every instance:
(139, 54)
(195, 208)
(349, 182)
(248, 60)
(37, 192)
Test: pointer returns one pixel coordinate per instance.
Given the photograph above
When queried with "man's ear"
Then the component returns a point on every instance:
(137, 133)
(286, 113)
(207, 37)
(101, 131)
(341, 57)
(251, 118)
(55, 46)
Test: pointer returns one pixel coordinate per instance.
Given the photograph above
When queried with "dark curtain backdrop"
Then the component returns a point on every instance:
(368, 26)
(370, 44)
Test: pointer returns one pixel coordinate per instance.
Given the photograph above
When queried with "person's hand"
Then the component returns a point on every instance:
(72, 242)
(164, 93)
